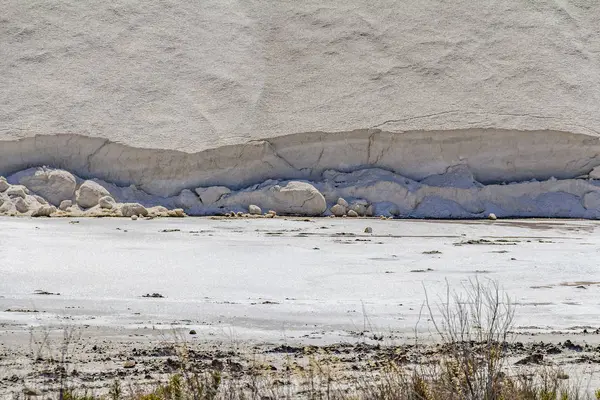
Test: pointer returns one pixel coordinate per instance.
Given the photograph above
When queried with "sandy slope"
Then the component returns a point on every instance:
(197, 75)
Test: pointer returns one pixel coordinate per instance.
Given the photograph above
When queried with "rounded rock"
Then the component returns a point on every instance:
(5, 206)
(492, 216)
(44, 211)
(131, 209)
(342, 202)
(65, 204)
(359, 207)
(107, 202)
(3, 184)
(338, 210)
(254, 209)
(368, 229)
(89, 193)
(176, 213)
(296, 198)
(54, 185)
(157, 211)
(352, 214)
(134, 217)
(16, 191)
(20, 205)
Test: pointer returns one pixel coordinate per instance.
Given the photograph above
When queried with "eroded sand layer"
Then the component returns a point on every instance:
(192, 76)
(433, 174)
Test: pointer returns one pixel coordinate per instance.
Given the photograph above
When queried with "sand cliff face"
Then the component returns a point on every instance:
(177, 95)
(491, 155)
(195, 75)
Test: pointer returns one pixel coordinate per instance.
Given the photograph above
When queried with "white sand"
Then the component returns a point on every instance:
(327, 277)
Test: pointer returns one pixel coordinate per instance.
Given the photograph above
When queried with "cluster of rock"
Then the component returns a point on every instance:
(362, 193)
(44, 192)
(358, 208)
(285, 198)
(254, 211)
(53, 192)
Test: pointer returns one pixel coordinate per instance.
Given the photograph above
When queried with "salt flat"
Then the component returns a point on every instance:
(296, 280)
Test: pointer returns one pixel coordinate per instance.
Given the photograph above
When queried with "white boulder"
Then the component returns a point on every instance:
(5, 206)
(17, 191)
(89, 193)
(44, 211)
(254, 209)
(54, 185)
(298, 198)
(394, 211)
(3, 184)
(338, 210)
(176, 213)
(342, 202)
(107, 202)
(295, 198)
(212, 194)
(360, 207)
(20, 205)
(352, 213)
(131, 209)
(65, 204)
(492, 216)
(158, 211)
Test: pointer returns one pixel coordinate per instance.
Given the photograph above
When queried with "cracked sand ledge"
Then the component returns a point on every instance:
(420, 174)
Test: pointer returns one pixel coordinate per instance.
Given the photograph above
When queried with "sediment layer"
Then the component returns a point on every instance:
(441, 174)
(492, 155)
